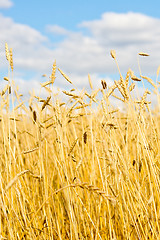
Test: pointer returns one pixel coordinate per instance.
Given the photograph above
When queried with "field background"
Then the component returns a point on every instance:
(83, 168)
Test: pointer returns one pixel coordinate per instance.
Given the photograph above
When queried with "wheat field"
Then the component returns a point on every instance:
(83, 168)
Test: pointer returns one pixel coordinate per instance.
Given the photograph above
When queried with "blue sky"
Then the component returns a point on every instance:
(68, 14)
(79, 35)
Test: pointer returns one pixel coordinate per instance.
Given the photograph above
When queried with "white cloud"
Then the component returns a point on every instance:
(127, 33)
(28, 44)
(87, 50)
(57, 30)
(6, 3)
(123, 29)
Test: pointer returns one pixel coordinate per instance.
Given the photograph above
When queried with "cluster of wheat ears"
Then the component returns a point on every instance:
(70, 170)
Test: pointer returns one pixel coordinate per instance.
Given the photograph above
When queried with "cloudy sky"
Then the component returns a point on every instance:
(79, 36)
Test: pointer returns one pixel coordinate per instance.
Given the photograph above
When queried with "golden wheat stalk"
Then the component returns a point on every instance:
(149, 80)
(113, 54)
(95, 190)
(14, 119)
(158, 70)
(52, 77)
(127, 77)
(90, 81)
(14, 180)
(72, 107)
(9, 90)
(104, 107)
(5, 90)
(46, 102)
(48, 89)
(72, 146)
(30, 150)
(11, 59)
(85, 137)
(7, 52)
(47, 119)
(118, 85)
(144, 98)
(58, 110)
(6, 79)
(143, 54)
(34, 116)
(18, 106)
(65, 76)
(49, 125)
(95, 92)
(104, 84)
(111, 89)
(79, 115)
(144, 102)
(124, 87)
(82, 106)
(132, 86)
(87, 94)
(44, 75)
(91, 97)
(71, 94)
(111, 125)
(114, 111)
(46, 83)
(119, 98)
(134, 78)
